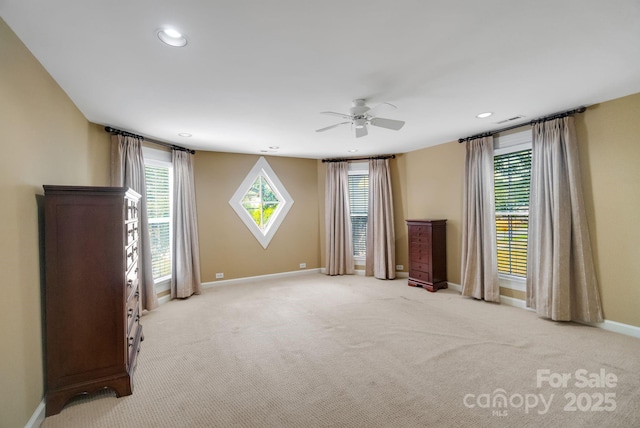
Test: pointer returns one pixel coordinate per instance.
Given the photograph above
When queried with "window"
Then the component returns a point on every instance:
(158, 176)
(262, 202)
(359, 206)
(512, 175)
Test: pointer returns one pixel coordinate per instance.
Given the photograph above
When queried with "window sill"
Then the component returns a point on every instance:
(512, 282)
(162, 284)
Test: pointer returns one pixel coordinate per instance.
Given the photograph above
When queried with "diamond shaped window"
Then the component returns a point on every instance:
(262, 202)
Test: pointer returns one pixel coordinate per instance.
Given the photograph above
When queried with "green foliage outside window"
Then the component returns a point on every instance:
(261, 202)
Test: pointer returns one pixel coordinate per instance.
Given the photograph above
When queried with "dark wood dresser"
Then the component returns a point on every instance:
(428, 254)
(92, 310)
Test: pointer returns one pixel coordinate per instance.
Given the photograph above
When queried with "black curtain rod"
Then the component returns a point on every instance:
(357, 159)
(533, 122)
(140, 137)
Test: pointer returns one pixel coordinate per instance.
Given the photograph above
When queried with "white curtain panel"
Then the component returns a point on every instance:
(561, 280)
(127, 170)
(381, 238)
(339, 243)
(479, 253)
(185, 280)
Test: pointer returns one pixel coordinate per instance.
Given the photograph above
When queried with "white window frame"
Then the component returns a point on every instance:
(503, 145)
(262, 168)
(162, 158)
(359, 168)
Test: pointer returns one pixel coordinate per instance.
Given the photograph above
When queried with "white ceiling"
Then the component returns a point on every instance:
(256, 74)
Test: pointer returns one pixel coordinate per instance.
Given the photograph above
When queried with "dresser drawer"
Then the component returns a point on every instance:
(418, 229)
(420, 266)
(419, 275)
(132, 232)
(131, 281)
(418, 246)
(131, 255)
(133, 342)
(419, 254)
(131, 210)
(133, 313)
(420, 235)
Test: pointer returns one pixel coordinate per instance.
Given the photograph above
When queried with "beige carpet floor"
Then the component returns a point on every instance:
(318, 351)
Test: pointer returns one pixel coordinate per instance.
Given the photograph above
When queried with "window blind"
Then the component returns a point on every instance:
(512, 176)
(158, 210)
(359, 205)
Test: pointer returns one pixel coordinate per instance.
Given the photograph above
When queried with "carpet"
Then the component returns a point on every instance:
(351, 351)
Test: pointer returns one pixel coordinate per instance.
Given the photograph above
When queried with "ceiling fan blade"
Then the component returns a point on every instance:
(382, 106)
(332, 126)
(333, 113)
(361, 132)
(387, 123)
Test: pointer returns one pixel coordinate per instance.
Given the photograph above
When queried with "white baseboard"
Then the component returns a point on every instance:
(614, 326)
(362, 272)
(617, 327)
(258, 277)
(38, 416)
(512, 301)
(454, 286)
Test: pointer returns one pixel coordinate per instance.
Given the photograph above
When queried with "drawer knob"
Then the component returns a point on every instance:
(130, 313)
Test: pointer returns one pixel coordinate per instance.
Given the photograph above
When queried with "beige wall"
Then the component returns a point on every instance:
(609, 143)
(434, 191)
(45, 140)
(226, 244)
(609, 140)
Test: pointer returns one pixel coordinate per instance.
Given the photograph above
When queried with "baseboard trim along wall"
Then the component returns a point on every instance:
(38, 416)
(253, 278)
(361, 272)
(614, 326)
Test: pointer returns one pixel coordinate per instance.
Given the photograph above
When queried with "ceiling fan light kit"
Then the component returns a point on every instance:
(360, 115)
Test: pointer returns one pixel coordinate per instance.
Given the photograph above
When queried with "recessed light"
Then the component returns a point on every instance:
(484, 115)
(274, 147)
(353, 150)
(172, 37)
(184, 134)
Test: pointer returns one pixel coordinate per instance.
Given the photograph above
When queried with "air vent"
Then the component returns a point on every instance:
(511, 119)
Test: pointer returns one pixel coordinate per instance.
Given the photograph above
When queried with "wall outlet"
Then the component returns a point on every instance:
(303, 265)
(399, 267)
(219, 275)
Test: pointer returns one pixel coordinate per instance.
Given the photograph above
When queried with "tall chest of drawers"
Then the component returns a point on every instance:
(91, 296)
(427, 254)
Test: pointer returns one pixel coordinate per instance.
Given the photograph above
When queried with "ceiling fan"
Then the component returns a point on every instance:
(360, 116)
